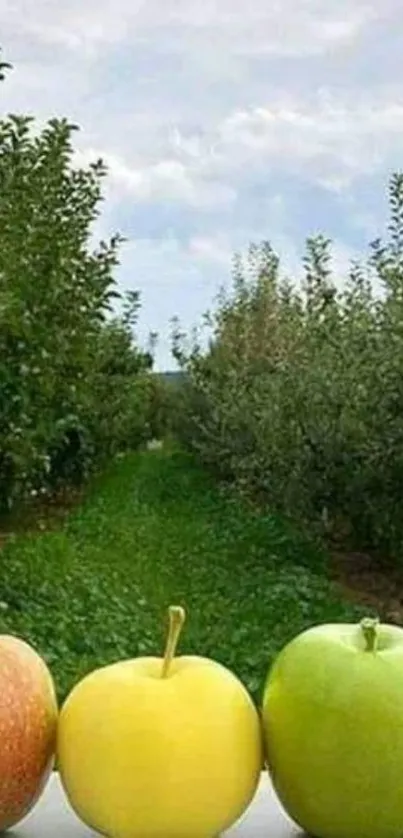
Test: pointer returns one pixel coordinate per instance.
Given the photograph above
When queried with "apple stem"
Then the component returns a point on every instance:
(176, 620)
(369, 628)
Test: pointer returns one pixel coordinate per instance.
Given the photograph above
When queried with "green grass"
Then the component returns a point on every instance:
(153, 531)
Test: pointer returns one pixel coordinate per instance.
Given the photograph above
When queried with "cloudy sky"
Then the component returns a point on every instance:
(221, 123)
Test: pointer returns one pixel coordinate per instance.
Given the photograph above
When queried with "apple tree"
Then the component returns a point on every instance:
(297, 396)
(56, 295)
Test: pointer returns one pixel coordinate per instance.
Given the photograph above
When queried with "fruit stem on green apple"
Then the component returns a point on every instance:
(176, 620)
(369, 628)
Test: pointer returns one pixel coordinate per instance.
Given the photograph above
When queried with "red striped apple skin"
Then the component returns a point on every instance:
(28, 720)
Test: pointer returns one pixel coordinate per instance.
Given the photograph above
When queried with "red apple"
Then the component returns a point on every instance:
(28, 719)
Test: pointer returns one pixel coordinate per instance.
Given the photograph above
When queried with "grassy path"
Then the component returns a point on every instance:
(151, 532)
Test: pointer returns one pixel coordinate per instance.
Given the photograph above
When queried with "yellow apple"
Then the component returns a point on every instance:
(28, 717)
(160, 747)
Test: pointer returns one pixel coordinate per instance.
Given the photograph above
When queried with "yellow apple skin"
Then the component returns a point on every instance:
(142, 756)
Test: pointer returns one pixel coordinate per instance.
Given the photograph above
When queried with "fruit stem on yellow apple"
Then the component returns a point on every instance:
(369, 628)
(176, 620)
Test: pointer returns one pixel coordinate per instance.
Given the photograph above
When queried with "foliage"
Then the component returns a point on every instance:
(4, 66)
(154, 530)
(299, 395)
(72, 383)
(166, 389)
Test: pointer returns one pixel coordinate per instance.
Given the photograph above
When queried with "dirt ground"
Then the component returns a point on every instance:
(363, 581)
(40, 514)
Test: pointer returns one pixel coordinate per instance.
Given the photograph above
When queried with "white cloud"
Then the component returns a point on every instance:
(333, 126)
(283, 28)
(166, 180)
(331, 142)
(73, 25)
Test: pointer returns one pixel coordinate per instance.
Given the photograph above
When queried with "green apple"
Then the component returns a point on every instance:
(333, 728)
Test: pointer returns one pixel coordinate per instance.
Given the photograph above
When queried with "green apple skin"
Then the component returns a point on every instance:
(333, 728)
